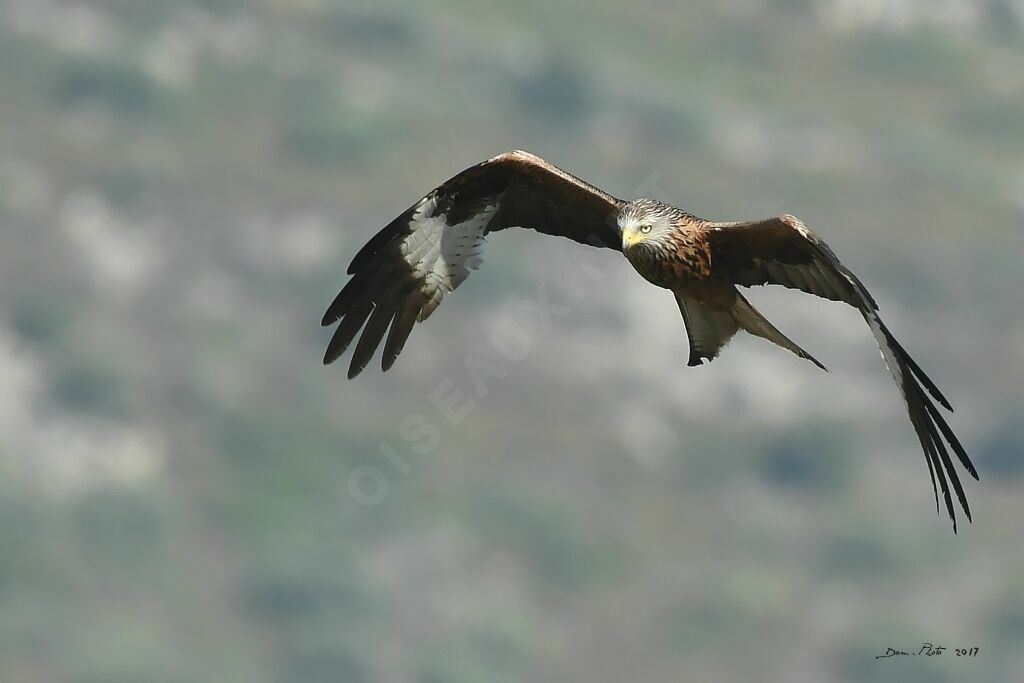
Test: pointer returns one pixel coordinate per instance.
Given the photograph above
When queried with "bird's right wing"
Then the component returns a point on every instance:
(403, 272)
(784, 251)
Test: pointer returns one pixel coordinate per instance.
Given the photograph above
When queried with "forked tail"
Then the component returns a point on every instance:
(710, 324)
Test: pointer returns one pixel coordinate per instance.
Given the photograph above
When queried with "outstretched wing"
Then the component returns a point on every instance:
(401, 275)
(784, 251)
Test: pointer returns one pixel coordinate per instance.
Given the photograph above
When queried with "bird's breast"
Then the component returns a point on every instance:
(671, 262)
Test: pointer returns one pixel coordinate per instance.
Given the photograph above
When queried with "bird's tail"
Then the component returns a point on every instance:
(711, 324)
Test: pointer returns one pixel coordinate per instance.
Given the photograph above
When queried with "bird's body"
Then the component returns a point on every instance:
(682, 259)
(404, 272)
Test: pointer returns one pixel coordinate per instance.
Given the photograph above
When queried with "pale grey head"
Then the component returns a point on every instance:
(643, 219)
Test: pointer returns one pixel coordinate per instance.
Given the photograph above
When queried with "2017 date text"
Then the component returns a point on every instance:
(929, 650)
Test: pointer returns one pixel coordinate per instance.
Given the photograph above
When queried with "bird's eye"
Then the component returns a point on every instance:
(645, 229)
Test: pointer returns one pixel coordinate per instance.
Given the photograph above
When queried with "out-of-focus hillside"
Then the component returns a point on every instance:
(187, 494)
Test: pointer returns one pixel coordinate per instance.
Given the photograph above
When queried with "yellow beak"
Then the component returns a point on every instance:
(629, 238)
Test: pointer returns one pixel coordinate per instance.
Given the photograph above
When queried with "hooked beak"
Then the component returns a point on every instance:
(629, 238)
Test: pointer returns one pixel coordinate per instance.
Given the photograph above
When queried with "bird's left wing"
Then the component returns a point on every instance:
(784, 251)
(401, 275)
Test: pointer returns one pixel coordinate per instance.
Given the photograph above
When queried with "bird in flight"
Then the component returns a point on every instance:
(404, 272)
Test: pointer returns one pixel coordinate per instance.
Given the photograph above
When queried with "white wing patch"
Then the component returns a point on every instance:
(441, 255)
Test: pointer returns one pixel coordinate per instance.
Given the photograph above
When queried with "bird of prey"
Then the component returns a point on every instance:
(404, 272)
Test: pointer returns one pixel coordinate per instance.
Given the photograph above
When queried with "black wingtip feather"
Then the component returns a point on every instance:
(814, 360)
(931, 475)
(931, 427)
(356, 304)
(347, 330)
(333, 313)
(905, 357)
(926, 420)
(373, 274)
(346, 298)
(380, 319)
(378, 242)
(402, 326)
(954, 442)
(954, 478)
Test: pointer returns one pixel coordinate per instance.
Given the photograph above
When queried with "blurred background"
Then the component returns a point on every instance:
(187, 494)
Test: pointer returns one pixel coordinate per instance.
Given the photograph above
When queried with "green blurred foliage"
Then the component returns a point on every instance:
(176, 501)
(815, 461)
(117, 84)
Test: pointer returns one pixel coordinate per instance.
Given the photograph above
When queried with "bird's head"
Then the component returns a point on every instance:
(645, 219)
